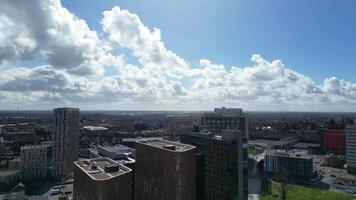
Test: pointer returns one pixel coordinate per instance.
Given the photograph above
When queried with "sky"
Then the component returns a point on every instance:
(277, 55)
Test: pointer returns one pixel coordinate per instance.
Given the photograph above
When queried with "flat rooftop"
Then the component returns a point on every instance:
(117, 148)
(290, 154)
(95, 128)
(99, 173)
(168, 145)
(140, 139)
(39, 146)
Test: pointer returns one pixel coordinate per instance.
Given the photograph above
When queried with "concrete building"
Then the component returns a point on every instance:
(231, 119)
(351, 148)
(164, 170)
(131, 142)
(220, 164)
(102, 178)
(9, 178)
(117, 152)
(65, 140)
(224, 165)
(36, 161)
(94, 130)
(298, 164)
(226, 118)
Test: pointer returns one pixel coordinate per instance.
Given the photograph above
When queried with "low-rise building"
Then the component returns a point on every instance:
(298, 164)
(131, 142)
(116, 152)
(95, 130)
(102, 178)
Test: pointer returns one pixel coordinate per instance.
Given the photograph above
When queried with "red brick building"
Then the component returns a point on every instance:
(335, 142)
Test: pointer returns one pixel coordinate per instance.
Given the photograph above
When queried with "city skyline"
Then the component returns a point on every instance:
(122, 55)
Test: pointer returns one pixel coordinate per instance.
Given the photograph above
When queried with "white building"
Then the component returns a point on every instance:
(351, 148)
(35, 161)
(65, 140)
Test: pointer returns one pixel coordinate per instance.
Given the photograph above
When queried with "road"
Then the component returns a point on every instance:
(254, 181)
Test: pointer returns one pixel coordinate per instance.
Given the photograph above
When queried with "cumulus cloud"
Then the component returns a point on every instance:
(43, 28)
(77, 59)
(126, 30)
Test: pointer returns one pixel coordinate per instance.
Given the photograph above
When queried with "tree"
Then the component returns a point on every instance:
(283, 179)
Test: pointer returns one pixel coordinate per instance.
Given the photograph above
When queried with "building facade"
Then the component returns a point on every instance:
(334, 142)
(226, 118)
(351, 148)
(231, 119)
(102, 178)
(36, 161)
(298, 164)
(65, 140)
(224, 167)
(164, 170)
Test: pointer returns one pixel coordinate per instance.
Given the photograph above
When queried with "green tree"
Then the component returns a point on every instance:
(283, 176)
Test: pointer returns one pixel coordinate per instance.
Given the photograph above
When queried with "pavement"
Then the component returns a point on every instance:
(254, 182)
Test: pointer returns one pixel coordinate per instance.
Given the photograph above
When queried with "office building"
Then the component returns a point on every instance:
(351, 148)
(65, 140)
(164, 170)
(231, 119)
(36, 161)
(224, 167)
(226, 118)
(298, 164)
(102, 178)
(220, 163)
(199, 139)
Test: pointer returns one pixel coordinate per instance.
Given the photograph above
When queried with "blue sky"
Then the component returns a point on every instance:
(294, 55)
(316, 38)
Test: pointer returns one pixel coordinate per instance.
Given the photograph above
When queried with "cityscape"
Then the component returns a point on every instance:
(226, 153)
(177, 100)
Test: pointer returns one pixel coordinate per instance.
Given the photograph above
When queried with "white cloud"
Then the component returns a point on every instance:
(126, 30)
(43, 28)
(160, 79)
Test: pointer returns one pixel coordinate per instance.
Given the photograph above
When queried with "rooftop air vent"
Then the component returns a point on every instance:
(170, 147)
(112, 168)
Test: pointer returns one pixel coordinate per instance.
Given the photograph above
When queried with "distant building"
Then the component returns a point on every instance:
(95, 130)
(65, 140)
(130, 142)
(226, 118)
(335, 142)
(116, 152)
(298, 164)
(36, 161)
(9, 178)
(351, 148)
(231, 119)
(164, 170)
(102, 178)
